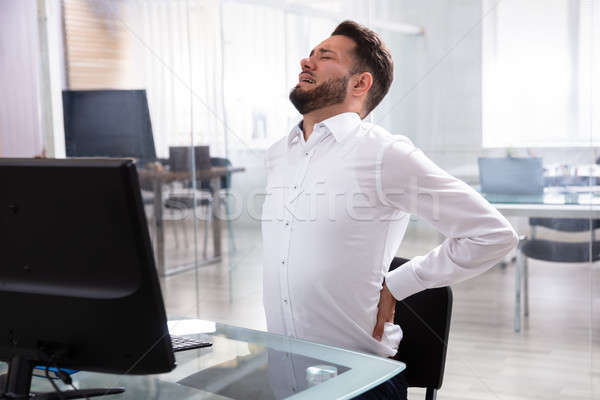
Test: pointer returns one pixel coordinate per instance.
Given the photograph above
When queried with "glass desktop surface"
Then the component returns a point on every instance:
(246, 364)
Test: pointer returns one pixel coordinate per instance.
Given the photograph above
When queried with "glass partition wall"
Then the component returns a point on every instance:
(503, 95)
(169, 53)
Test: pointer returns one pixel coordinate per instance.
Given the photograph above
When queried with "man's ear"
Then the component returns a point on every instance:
(361, 83)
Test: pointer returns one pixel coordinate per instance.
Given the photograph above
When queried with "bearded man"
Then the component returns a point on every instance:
(340, 192)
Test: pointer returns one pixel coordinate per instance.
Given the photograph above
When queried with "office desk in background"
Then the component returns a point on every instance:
(556, 202)
(246, 364)
(162, 177)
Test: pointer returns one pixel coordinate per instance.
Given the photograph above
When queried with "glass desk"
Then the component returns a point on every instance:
(246, 364)
(556, 202)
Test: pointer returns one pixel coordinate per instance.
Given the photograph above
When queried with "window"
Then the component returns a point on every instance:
(537, 66)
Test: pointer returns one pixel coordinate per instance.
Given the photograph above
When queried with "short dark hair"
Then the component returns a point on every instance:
(372, 56)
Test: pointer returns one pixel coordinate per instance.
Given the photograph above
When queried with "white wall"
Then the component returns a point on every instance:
(20, 131)
(436, 96)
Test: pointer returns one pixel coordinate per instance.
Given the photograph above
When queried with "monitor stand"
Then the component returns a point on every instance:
(16, 384)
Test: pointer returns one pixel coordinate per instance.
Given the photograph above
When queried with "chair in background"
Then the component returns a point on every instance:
(554, 251)
(225, 187)
(176, 205)
(185, 197)
(203, 198)
(425, 321)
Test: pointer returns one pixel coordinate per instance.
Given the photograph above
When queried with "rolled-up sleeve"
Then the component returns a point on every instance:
(477, 235)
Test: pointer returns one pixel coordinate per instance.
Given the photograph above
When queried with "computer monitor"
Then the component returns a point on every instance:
(78, 283)
(108, 123)
(511, 175)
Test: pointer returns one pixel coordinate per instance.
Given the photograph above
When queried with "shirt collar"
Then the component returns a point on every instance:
(295, 133)
(340, 126)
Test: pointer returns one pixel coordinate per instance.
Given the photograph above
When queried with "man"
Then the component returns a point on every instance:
(339, 195)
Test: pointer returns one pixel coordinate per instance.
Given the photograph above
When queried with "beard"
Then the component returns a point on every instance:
(330, 92)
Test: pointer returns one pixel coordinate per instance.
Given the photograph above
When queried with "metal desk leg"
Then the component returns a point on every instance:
(518, 267)
(159, 228)
(215, 184)
(525, 286)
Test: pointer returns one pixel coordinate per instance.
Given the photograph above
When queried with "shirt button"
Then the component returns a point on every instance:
(306, 154)
(295, 187)
(287, 223)
(285, 301)
(283, 261)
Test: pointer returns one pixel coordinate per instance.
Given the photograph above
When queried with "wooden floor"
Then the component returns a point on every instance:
(556, 355)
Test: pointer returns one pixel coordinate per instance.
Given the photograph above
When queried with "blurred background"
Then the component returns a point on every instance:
(501, 94)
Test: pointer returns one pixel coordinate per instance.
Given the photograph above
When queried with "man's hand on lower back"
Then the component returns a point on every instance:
(385, 311)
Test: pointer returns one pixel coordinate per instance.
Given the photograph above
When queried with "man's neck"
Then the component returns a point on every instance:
(316, 116)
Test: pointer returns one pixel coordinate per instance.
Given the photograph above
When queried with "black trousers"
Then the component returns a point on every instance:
(392, 389)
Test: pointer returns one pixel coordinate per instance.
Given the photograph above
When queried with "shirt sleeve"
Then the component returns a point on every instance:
(478, 236)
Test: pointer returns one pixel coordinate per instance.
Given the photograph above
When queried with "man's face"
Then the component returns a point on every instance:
(324, 78)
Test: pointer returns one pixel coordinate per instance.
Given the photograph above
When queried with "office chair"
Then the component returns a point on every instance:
(204, 198)
(549, 250)
(176, 206)
(425, 321)
(184, 197)
(225, 187)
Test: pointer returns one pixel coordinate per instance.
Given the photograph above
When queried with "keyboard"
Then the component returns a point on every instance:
(180, 343)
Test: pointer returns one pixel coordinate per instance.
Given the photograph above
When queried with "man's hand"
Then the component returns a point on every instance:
(385, 311)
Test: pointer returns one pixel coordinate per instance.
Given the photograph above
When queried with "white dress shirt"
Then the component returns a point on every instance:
(335, 213)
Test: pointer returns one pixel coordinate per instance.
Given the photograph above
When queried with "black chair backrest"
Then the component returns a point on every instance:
(563, 252)
(425, 321)
(180, 158)
(566, 224)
